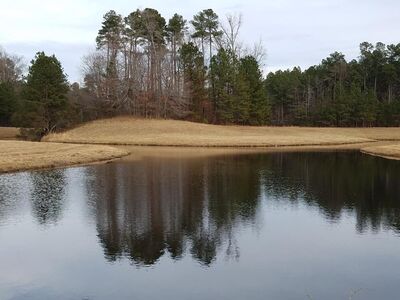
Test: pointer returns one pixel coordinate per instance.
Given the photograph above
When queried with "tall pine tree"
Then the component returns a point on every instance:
(45, 104)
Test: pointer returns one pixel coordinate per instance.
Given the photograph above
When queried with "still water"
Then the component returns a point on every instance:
(248, 226)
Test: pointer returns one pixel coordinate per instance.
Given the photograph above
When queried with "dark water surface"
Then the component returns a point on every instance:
(259, 226)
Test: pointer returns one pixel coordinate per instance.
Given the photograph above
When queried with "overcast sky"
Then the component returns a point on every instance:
(295, 33)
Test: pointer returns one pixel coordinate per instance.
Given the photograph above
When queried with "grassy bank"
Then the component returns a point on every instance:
(70, 147)
(386, 151)
(145, 132)
(19, 155)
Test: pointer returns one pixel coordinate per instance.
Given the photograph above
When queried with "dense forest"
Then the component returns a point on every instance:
(363, 92)
(200, 70)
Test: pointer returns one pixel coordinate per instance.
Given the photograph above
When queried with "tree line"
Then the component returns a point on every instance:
(147, 66)
(360, 92)
(201, 70)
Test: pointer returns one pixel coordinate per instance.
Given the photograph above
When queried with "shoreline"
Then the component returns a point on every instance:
(227, 146)
(19, 156)
(390, 151)
(109, 139)
(139, 152)
(381, 156)
(135, 152)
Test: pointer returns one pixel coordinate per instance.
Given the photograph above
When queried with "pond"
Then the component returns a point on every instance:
(241, 226)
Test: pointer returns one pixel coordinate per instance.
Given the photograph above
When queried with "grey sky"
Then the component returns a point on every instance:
(295, 33)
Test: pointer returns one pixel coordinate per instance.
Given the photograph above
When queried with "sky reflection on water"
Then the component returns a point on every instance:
(259, 226)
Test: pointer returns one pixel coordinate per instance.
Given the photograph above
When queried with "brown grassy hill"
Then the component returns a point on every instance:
(150, 132)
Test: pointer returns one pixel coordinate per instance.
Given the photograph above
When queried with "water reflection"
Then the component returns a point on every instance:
(149, 208)
(365, 186)
(47, 195)
(282, 220)
(42, 192)
(14, 188)
(153, 207)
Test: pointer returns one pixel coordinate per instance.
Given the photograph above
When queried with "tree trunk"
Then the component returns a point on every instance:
(210, 49)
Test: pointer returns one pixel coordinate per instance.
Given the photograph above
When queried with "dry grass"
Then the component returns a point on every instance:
(9, 133)
(386, 151)
(19, 155)
(145, 132)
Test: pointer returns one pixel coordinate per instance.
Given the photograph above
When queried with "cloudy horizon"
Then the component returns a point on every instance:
(293, 33)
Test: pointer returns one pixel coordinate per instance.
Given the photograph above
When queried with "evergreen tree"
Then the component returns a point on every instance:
(110, 36)
(259, 109)
(194, 78)
(45, 104)
(8, 102)
(223, 71)
(241, 98)
(176, 30)
(206, 27)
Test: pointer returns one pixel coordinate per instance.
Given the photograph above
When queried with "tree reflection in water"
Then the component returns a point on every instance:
(339, 182)
(47, 195)
(148, 208)
(14, 188)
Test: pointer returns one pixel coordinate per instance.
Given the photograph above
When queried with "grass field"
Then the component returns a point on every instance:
(9, 133)
(19, 155)
(147, 132)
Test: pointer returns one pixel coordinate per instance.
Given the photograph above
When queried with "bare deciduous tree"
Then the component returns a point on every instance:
(258, 51)
(11, 67)
(231, 32)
